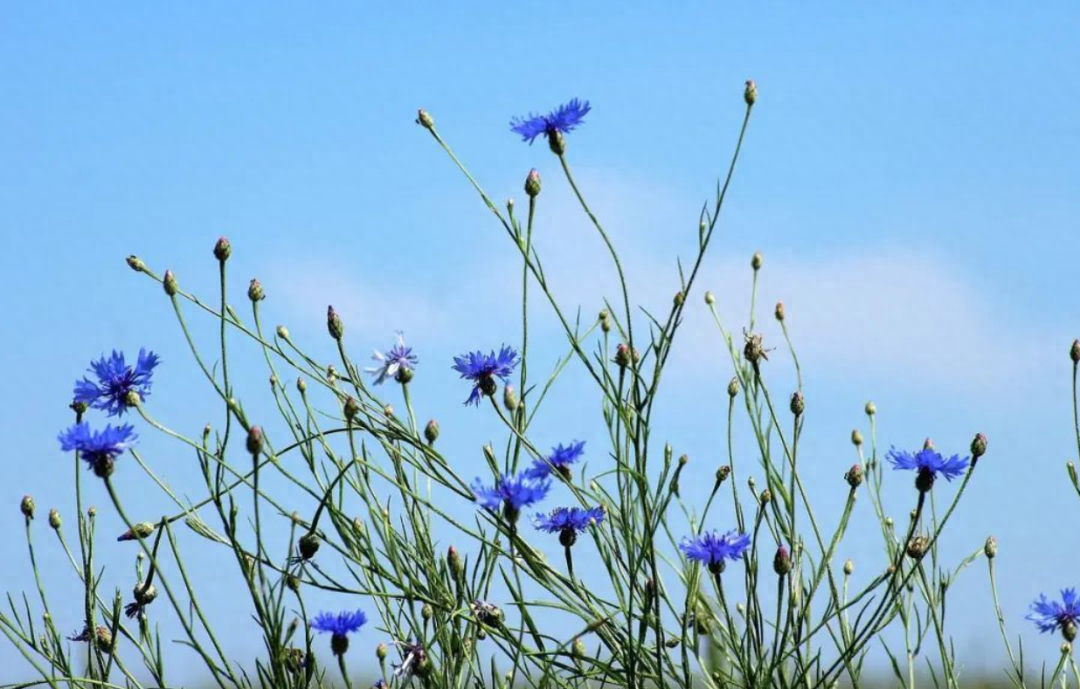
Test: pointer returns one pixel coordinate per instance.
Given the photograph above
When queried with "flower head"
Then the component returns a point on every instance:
(711, 550)
(568, 522)
(483, 369)
(511, 493)
(1051, 615)
(398, 363)
(562, 119)
(929, 463)
(413, 659)
(339, 625)
(115, 379)
(98, 448)
(561, 457)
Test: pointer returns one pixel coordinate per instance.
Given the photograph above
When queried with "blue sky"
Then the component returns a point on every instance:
(910, 175)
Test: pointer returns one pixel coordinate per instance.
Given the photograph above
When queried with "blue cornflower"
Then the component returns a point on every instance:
(380, 684)
(561, 457)
(339, 625)
(1050, 615)
(483, 369)
(711, 550)
(929, 463)
(510, 494)
(568, 522)
(398, 363)
(98, 448)
(115, 379)
(561, 120)
(413, 659)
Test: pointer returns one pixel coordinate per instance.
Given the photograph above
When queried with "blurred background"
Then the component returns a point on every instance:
(909, 174)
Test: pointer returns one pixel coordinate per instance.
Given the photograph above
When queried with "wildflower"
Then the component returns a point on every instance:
(334, 324)
(339, 626)
(711, 550)
(929, 463)
(561, 120)
(1050, 615)
(398, 363)
(98, 448)
(101, 637)
(144, 595)
(483, 369)
(115, 379)
(561, 457)
(568, 522)
(486, 613)
(511, 493)
(380, 684)
(413, 659)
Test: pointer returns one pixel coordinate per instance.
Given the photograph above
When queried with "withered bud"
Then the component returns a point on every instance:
(854, 476)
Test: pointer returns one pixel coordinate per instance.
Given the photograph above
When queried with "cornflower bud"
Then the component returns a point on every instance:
(849, 566)
(255, 291)
(798, 403)
(780, 311)
(532, 183)
(255, 440)
(283, 332)
(1074, 352)
(168, 283)
(917, 547)
(722, 474)
(453, 560)
(424, 119)
(750, 93)
(854, 476)
(431, 431)
(510, 398)
(381, 651)
(54, 519)
(352, 408)
(678, 299)
(782, 561)
(990, 549)
(137, 531)
(136, 264)
(978, 446)
(756, 261)
(870, 409)
(733, 387)
(710, 298)
(26, 506)
(856, 438)
(308, 545)
(334, 324)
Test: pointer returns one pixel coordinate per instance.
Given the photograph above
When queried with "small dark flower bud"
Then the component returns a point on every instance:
(424, 119)
(427, 612)
(754, 349)
(605, 322)
(854, 476)
(532, 183)
(556, 142)
(92, 512)
(849, 566)
(757, 260)
(671, 642)
(750, 93)
(137, 531)
(622, 356)
(678, 299)
(733, 387)
(924, 481)
(722, 473)
(488, 386)
(352, 408)
(283, 332)
(222, 249)
(978, 446)
(54, 518)
(103, 640)
(169, 283)
(779, 311)
(431, 431)
(255, 291)
(710, 298)
(334, 324)
(103, 468)
(781, 563)
(766, 497)
(870, 409)
(1071, 468)
(856, 438)
(917, 547)
(453, 560)
(510, 398)
(136, 264)
(1074, 352)
(404, 375)
(990, 549)
(293, 582)
(301, 385)
(79, 407)
(567, 538)
(798, 403)
(255, 440)
(26, 506)
(308, 545)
